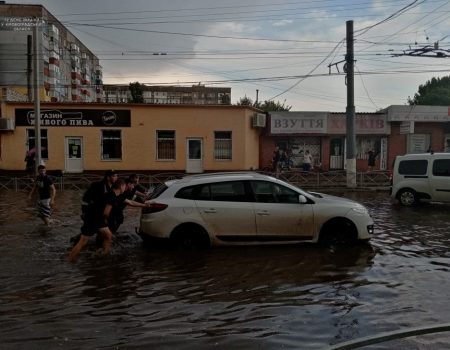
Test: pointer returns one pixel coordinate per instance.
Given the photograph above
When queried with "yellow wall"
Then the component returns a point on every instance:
(139, 140)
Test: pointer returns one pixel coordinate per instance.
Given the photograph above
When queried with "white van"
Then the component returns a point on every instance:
(421, 177)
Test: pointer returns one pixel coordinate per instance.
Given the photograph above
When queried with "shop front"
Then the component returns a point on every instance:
(295, 134)
(323, 135)
(372, 132)
(419, 129)
(77, 138)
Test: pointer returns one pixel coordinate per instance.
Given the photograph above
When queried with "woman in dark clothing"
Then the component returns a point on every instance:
(371, 160)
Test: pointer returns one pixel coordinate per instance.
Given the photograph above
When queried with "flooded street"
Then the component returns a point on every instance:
(294, 297)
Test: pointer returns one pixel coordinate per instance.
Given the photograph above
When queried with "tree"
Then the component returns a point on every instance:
(435, 92)
(137, 92)
(266, 106)
(245, 101)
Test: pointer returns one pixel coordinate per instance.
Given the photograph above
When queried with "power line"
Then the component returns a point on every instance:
(199, 35)
(310, 72)
(253, 6)
(390, 17)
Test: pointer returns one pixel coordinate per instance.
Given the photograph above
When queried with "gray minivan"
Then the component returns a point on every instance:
(421, 177)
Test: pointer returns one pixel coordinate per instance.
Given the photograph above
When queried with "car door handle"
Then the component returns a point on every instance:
(263, 212)
(210, 211)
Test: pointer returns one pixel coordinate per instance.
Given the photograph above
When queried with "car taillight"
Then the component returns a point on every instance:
(154, 208)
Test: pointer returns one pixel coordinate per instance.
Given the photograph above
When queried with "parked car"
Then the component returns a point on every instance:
(249, 208)
(421, 177)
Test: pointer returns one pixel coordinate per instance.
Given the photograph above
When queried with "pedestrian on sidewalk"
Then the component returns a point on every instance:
(307, 161)
(371, 160)
(30, 161)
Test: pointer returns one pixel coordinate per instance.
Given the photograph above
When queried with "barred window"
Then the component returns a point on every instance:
(165, 144)
(222, 145)
(44, 142)
(111, 144)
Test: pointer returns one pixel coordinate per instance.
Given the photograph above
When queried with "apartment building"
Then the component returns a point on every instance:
(68, 70)
(195, 94)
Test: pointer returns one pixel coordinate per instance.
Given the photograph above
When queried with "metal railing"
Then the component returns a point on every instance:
(334, 179)
(330, 179)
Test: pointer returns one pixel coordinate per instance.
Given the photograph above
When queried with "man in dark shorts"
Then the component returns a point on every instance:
(46, 189)
(102, 219)
(94, 200)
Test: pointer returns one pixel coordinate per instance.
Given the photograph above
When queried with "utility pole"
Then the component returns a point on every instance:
(37, 105)
(350, 110)
(29, 66)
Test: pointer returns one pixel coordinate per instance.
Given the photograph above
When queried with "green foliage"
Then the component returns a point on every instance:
(245, 101)
(137, 92)
(266, 106)
(435, 92)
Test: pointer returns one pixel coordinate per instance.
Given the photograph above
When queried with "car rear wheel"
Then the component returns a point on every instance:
(407, 197)
(338, 232)
(190, 236)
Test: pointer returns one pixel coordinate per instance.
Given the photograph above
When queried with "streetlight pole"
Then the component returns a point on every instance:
(37, 105)
(350, 110)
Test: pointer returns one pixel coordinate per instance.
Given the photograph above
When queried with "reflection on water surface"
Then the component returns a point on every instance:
(295, 297)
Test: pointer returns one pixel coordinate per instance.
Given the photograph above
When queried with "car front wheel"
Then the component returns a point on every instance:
(407, 197)
(338, 232)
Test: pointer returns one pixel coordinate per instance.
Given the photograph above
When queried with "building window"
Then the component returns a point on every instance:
(364, 144)
(44, 142)
(418, 143)
(222, 145)
(165, 145)
(111, 144)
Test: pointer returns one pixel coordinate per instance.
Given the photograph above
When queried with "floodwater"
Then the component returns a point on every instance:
(292, 297)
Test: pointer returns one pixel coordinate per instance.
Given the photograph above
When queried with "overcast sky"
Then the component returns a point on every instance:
(283, 48)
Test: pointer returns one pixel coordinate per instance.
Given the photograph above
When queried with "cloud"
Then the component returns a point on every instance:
(282, 23)
(303, 35)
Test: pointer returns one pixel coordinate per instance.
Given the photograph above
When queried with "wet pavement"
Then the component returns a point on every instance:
(292, 297)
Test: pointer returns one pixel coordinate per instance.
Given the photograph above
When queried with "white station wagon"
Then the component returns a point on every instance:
(249, 208)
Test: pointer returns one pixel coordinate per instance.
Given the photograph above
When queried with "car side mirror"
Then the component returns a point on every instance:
(302, 199)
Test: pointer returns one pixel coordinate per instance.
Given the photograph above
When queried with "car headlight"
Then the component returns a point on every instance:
(360, 210)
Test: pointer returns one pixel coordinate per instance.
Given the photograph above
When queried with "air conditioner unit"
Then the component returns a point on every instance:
(6, 124)
(259, 120)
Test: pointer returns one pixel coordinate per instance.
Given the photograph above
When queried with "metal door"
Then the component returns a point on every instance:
(194, 155)
(336, 154)
(74, 155)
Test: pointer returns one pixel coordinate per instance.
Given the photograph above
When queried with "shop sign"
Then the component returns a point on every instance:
(75, 118)
(298, 122)
(407, 127)
(364, 124)
(419, 113)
